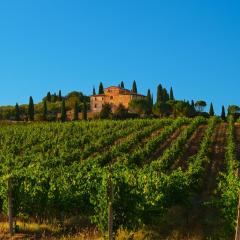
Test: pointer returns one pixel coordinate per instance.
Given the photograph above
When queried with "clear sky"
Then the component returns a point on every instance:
(192, 45)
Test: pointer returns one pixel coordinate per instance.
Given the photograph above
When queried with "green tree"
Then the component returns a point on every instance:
(94, 91)
(121, 112)
(223, 114)
(149, 100)
(63, 111)
(75, 111)
(31, 109)
(134, 87)
(106, 111)
(17, 112)
(211, 110)
(200, 105)
(139, 106)
(49, 97)
(85, 110)
(165, 95)
(122, 84)
(162, 109)
(60, 95)
(101, 89)
(159, 93)
(171, 97)
(45, 110)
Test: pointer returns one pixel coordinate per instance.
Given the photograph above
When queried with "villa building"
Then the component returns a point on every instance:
(113, 96)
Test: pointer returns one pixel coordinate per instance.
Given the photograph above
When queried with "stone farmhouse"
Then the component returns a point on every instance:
(114, 96)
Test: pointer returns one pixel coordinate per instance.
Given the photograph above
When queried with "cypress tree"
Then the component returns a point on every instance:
(159, 93)
(122, 84)
(31, 109)
(94, 91)
(223, 114)
(152, 100)
(101, 89)
(149, 101)
(134, 87)
(49, 97)
(192, 104)
(75, 111)
(60, 95)
(63, 111)
(171, 94)
(17, 112)
(45, 110)
(211, 110)
(165, 95)
(84, 110)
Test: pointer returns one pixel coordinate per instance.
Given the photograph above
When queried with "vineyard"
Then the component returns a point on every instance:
(164, 175)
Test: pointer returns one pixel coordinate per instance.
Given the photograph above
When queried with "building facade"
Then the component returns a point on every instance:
(113, 96)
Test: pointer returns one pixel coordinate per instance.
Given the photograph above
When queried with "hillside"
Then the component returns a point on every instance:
(174, 178)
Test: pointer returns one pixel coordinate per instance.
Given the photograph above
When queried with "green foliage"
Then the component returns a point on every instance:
(94, 91)
(122, 84)
(106, 112)
(223, 114)
(200, 105)
(100, 89)
(31, 109)
(211, 110)
(229, 183)
(17, 112)
(139, 106)
(171, 95)
(121, 113)
(159, 93)
(63, 111)
(75, 112)
(134, 87)
(45, 111)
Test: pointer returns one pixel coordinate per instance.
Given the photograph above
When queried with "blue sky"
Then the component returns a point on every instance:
(191, 45)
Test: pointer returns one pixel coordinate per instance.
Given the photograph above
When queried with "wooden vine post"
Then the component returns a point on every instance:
(10, 207)
(110, 207)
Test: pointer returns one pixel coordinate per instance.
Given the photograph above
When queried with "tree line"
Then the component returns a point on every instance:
(55, 107)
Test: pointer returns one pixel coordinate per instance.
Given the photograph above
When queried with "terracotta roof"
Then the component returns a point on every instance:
(97, 95)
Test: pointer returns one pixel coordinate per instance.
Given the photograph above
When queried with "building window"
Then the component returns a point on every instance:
(95, 99)
(95, 106)
(102, 98)
(111, 97)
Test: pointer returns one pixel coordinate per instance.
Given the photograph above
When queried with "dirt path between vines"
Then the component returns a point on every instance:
(158, 153)
(191, 148)
(205, 217)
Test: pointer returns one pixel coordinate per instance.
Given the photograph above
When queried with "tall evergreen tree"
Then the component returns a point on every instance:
(171, 97)
(149, 101)
(60, 95)
(134, 87)
(94, 91)
(63, 111)
(122, 84)
(75, 111)
(211, 110)
(192, 104)
(101, 89)
(223, 114)
(159, 93)
(17, 112)
(31, 109)
(49, 97)
(84, 110)
(45, 111)
(165, 95)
